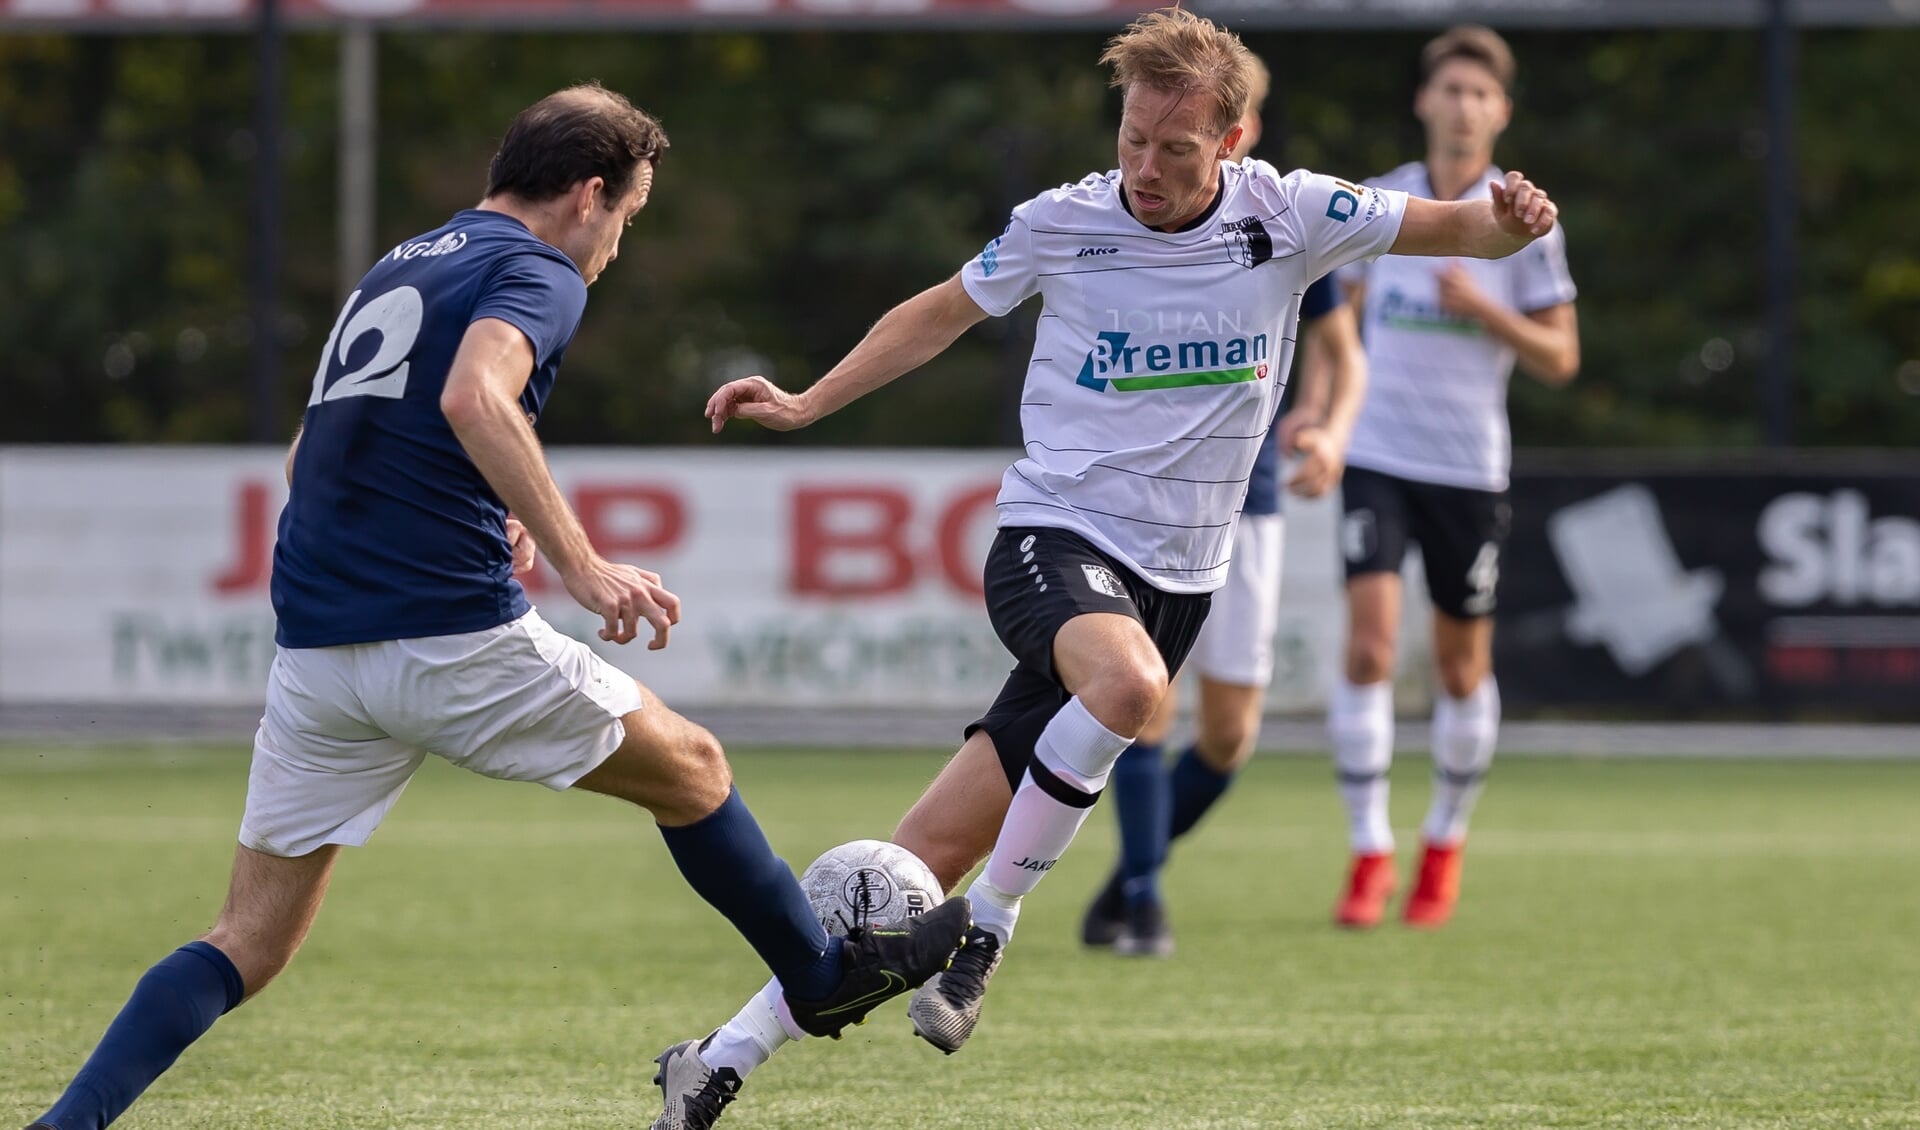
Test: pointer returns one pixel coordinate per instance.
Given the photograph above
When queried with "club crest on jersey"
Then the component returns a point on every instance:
(1101, 580)
(1248, 242)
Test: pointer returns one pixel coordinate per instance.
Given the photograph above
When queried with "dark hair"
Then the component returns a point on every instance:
(574, 135)
(1473, 43)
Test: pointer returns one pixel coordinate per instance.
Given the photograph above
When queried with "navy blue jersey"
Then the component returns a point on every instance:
(390, 532)
(1263, 489)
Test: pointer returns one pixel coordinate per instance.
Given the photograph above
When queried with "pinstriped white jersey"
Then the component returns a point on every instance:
(1160, 356)
(1436, 406)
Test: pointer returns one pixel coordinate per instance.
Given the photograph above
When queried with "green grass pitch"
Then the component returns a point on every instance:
(1640, 944)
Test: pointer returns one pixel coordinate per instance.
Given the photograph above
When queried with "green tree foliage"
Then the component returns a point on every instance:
(817, 178)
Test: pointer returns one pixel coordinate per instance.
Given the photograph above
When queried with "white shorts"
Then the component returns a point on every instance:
(345, 727)
(1236, 642)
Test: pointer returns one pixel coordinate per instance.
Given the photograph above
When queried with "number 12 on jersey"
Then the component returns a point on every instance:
(395, 316)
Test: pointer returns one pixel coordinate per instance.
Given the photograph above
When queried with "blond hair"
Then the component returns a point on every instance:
(1473, 43)
(1172, 49)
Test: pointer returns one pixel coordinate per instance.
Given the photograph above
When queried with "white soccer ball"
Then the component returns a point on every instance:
(869, 883)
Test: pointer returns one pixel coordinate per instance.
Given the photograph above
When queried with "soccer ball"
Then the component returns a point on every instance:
(869, 883)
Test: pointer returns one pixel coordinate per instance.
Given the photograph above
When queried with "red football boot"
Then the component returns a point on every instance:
(1438, 888)
(1369, 885)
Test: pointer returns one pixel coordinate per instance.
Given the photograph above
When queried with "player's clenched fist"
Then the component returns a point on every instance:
(1521, 207)
(760, 400)
(626, 597)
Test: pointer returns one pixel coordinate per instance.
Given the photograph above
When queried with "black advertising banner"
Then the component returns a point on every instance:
(1715, 591)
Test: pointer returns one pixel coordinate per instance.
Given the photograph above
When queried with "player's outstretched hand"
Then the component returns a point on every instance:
(760, 400)
(1322, 460)
(1521, 207)
(628, 598)
(520, 542)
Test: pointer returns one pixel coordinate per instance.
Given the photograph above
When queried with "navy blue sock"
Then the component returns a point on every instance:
(1139, 790)
(727, 861)
(171, 1007)
(1195, 787)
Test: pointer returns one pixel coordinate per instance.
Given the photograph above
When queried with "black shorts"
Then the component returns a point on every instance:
(1460, 533)
(1036, 580)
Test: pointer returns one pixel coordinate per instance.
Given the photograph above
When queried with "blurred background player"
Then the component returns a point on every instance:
(403, 631)
(1142, 422)
(1428, 466)
(1154, 803)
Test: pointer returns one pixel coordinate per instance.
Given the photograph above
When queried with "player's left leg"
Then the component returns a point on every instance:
(533, 705)
(1233, 657)
(1462, 532)
(271, 903)
(1081, 621)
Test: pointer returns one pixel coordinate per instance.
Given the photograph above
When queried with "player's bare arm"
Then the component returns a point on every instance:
(1546, 342)
(910, 335)
(1519, 213)
(292, 450)
(482, 404)
(1335, 364)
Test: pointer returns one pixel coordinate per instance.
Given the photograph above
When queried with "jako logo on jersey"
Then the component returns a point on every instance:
(1111, 363)
(1086, 251)
(1028, 863)
(445, 245)
(1248, 242)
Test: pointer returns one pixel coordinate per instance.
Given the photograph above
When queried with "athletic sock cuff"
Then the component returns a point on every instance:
(1077, 747)
(1066, 792)
(229, 975)
(1192, 762)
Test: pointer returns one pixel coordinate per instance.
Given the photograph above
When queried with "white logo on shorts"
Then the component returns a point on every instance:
(1356, 535)
(1026, 544)
(1101, 580)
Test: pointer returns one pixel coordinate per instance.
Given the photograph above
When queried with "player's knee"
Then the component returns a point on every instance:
(259, 952)
(1369, 659)
(701, 779)
(1462, 676)
(1225, 746)
(1126, 699)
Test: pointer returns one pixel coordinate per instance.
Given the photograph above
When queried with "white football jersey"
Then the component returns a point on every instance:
(1160, 356)
(1436, 404)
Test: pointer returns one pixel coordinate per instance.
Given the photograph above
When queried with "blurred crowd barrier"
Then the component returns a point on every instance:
(1634, 583)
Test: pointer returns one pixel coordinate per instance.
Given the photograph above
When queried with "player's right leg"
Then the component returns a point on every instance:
(322, 776)
(1233, 657)
(271, 903)
(1373, 540)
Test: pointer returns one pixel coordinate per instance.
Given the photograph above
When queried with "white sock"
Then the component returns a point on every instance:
(754, 1033)
(1464, 732)
(1360, 723)
(1079, 752)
